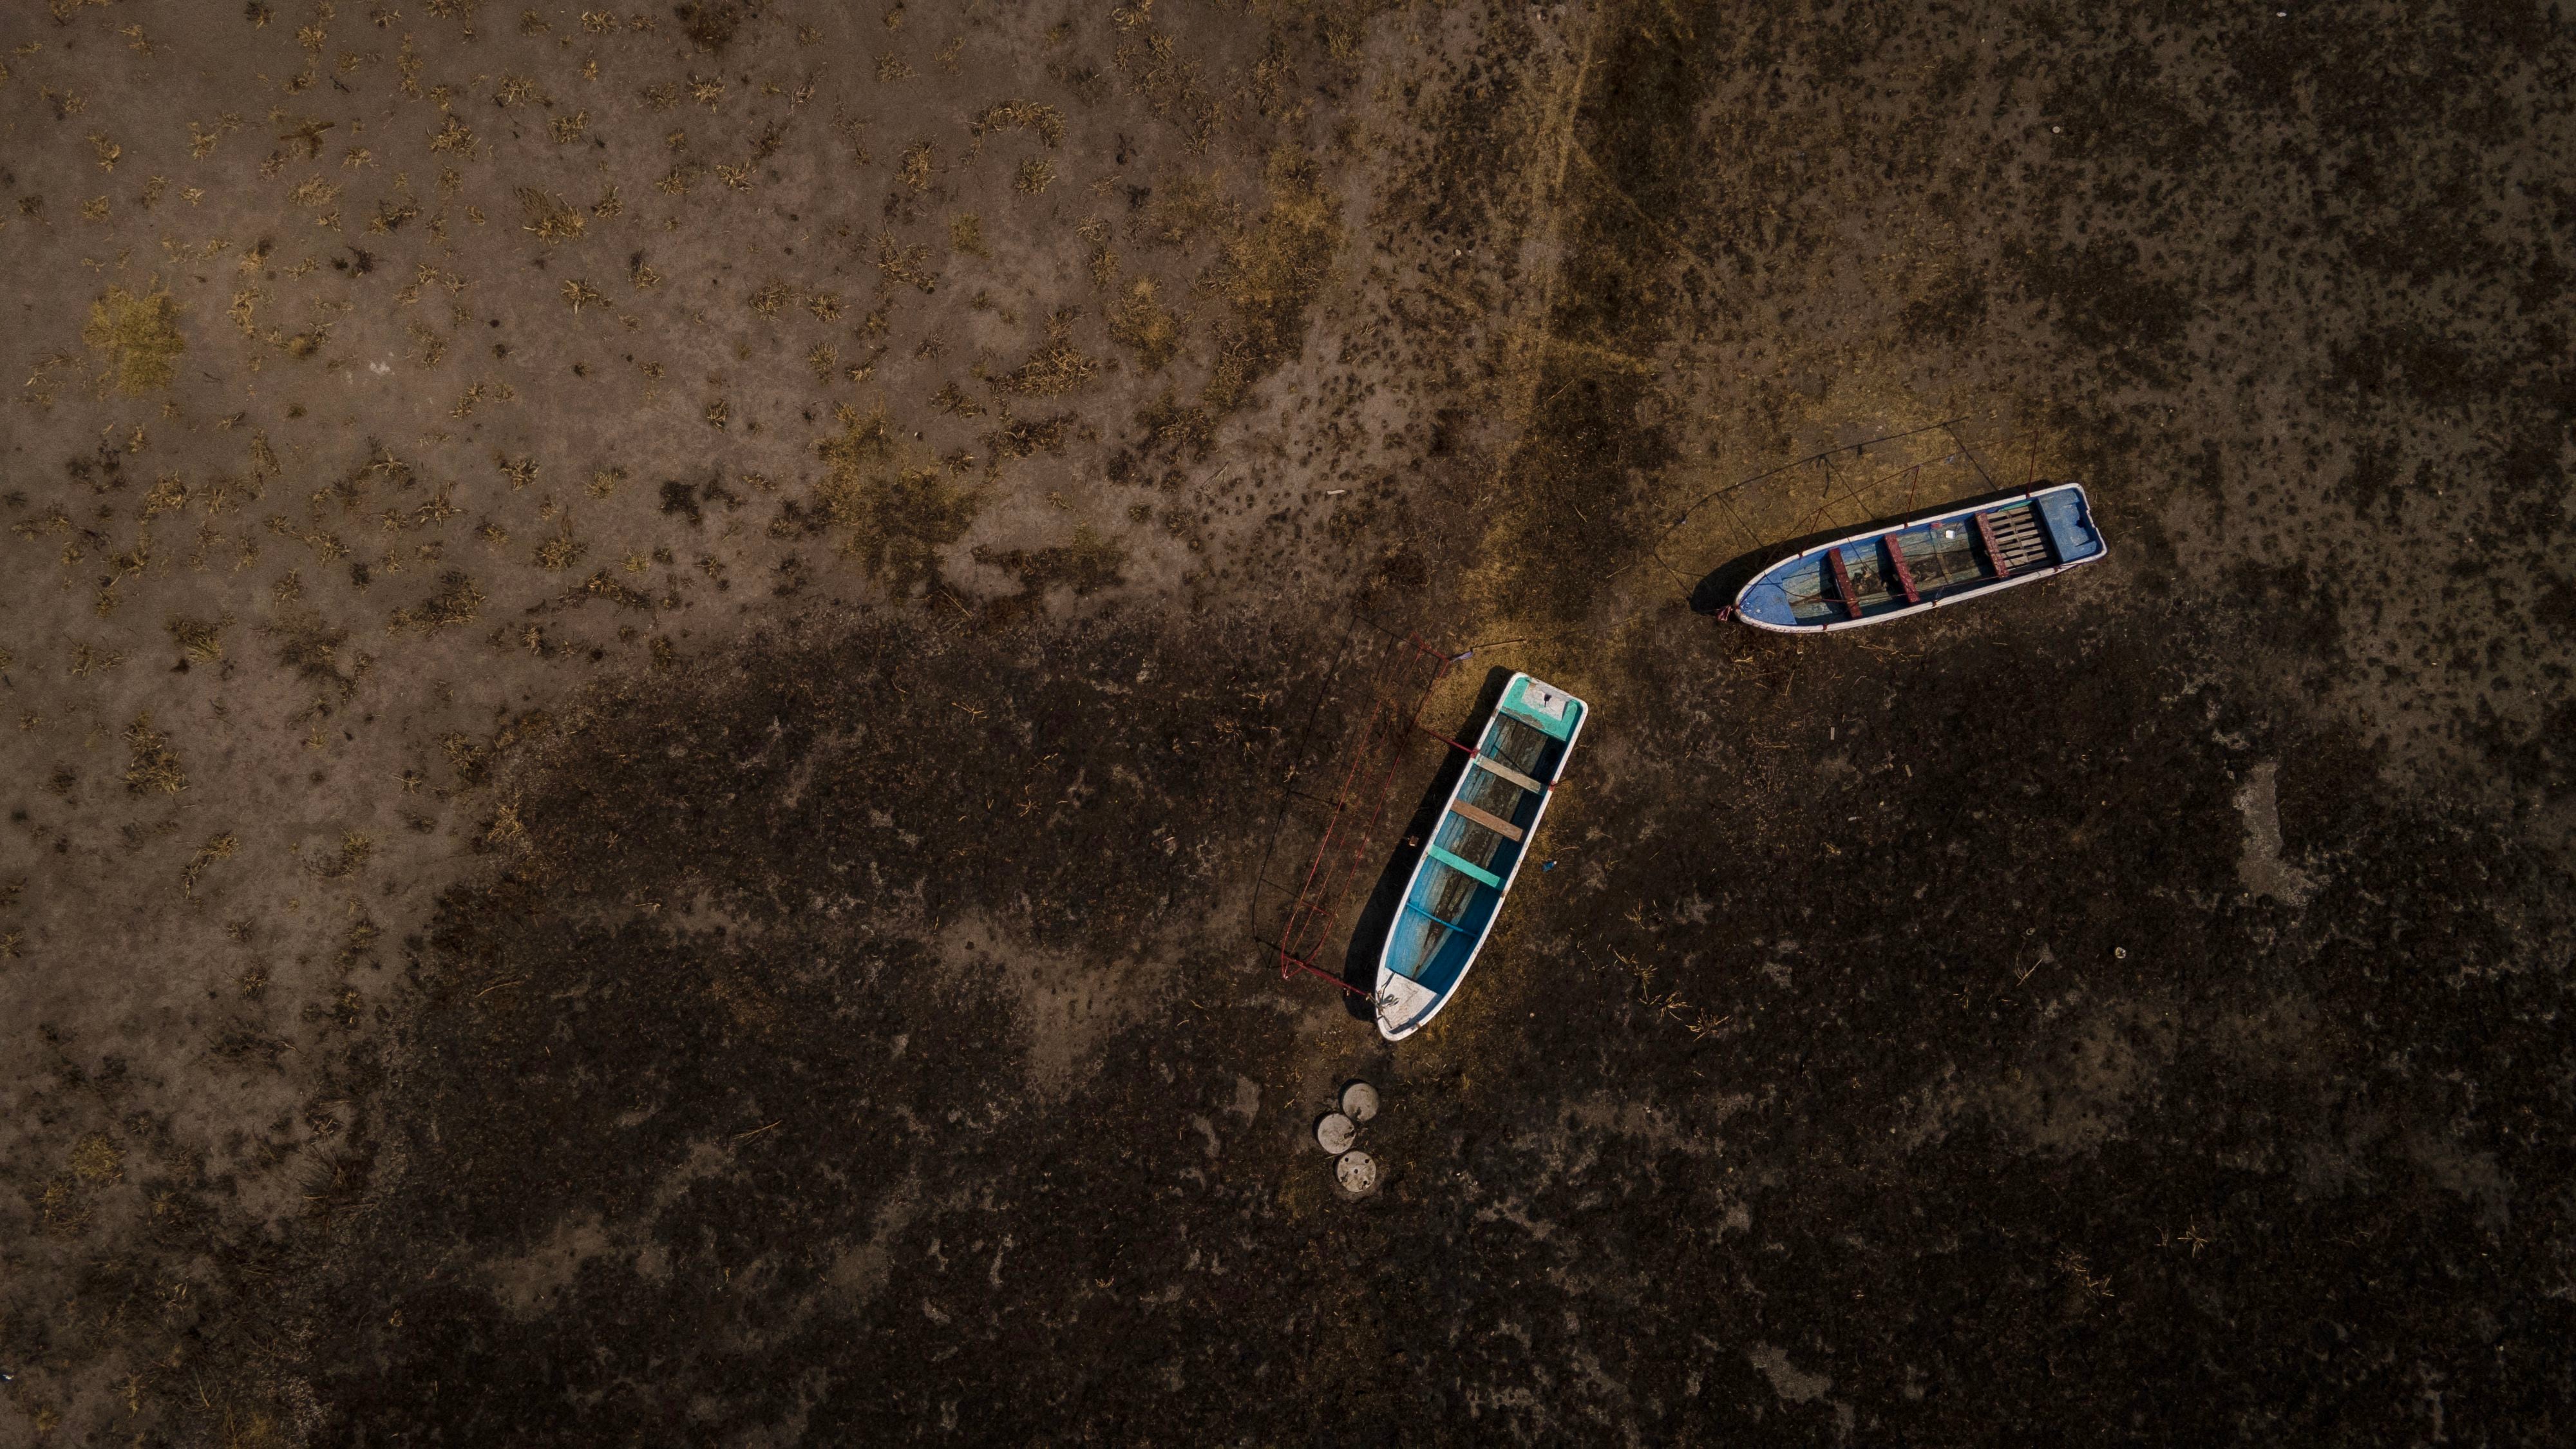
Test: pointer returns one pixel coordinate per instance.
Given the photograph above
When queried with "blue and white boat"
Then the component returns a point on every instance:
(1474, 853)
(1966, 553)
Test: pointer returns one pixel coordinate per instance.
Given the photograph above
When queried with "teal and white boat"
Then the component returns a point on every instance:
(1484, 835)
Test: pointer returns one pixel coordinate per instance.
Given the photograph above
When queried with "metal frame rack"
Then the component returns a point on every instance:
(1397, 688)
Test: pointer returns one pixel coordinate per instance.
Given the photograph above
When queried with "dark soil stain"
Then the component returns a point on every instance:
(1976, 1089)
(712, 24)
(793, 1022)
(2102, 300)
(2012, 1038)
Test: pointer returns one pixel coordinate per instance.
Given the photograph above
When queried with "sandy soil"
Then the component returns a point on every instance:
(667, 668)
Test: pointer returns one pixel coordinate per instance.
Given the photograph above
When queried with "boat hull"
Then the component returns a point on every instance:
(1486, 831)
(1926, 563)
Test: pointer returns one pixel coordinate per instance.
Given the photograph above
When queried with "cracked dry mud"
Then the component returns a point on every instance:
(663, 666)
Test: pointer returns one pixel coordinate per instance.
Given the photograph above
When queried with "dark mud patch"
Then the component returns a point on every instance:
(711, 25)
(1951, 1066)
(2027, 1101)
(1084, 564)
(848, 1006)
(2103, 298)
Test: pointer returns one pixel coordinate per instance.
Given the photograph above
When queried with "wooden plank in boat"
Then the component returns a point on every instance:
(1843, 581)
(1489, 820)
(1508, 773)
(1904, 575)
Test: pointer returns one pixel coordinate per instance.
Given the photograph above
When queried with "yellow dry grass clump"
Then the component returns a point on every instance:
(1141, 321)
(96, 1162)
(560, 552)
(151, 765)
(1056, 368)
(908, 264)
(219, 848)
(138, 336)
(201, 639)
(549, 218)
(914, 170)
(1043, 121)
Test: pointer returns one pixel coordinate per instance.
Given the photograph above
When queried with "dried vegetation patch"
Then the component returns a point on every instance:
(457, 601)
(137, 337)
(895, 508)
(152, 767)
(1269, 274)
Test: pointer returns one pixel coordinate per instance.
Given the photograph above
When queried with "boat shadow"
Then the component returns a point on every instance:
(1386, 897)
(1718, 588)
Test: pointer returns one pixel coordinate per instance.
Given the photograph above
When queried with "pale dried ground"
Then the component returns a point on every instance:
(610, 460)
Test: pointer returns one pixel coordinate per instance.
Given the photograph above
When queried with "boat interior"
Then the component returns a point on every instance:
(1473, 850)
(1924, 563)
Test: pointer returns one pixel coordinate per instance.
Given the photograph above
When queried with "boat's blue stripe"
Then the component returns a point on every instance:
(1463, 868)
(1426, 915)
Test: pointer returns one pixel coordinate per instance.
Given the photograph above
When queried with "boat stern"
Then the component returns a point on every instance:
(1539, 703)
(1402, 1005)
(2068, 514)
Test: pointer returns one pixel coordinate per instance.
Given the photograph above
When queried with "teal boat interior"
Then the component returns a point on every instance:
(1470, 858)
(1926, 563)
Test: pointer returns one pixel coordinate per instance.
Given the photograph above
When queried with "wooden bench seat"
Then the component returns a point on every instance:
(1842, 581)
(1508, 773)
(1489, 820)
(1904, 575)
